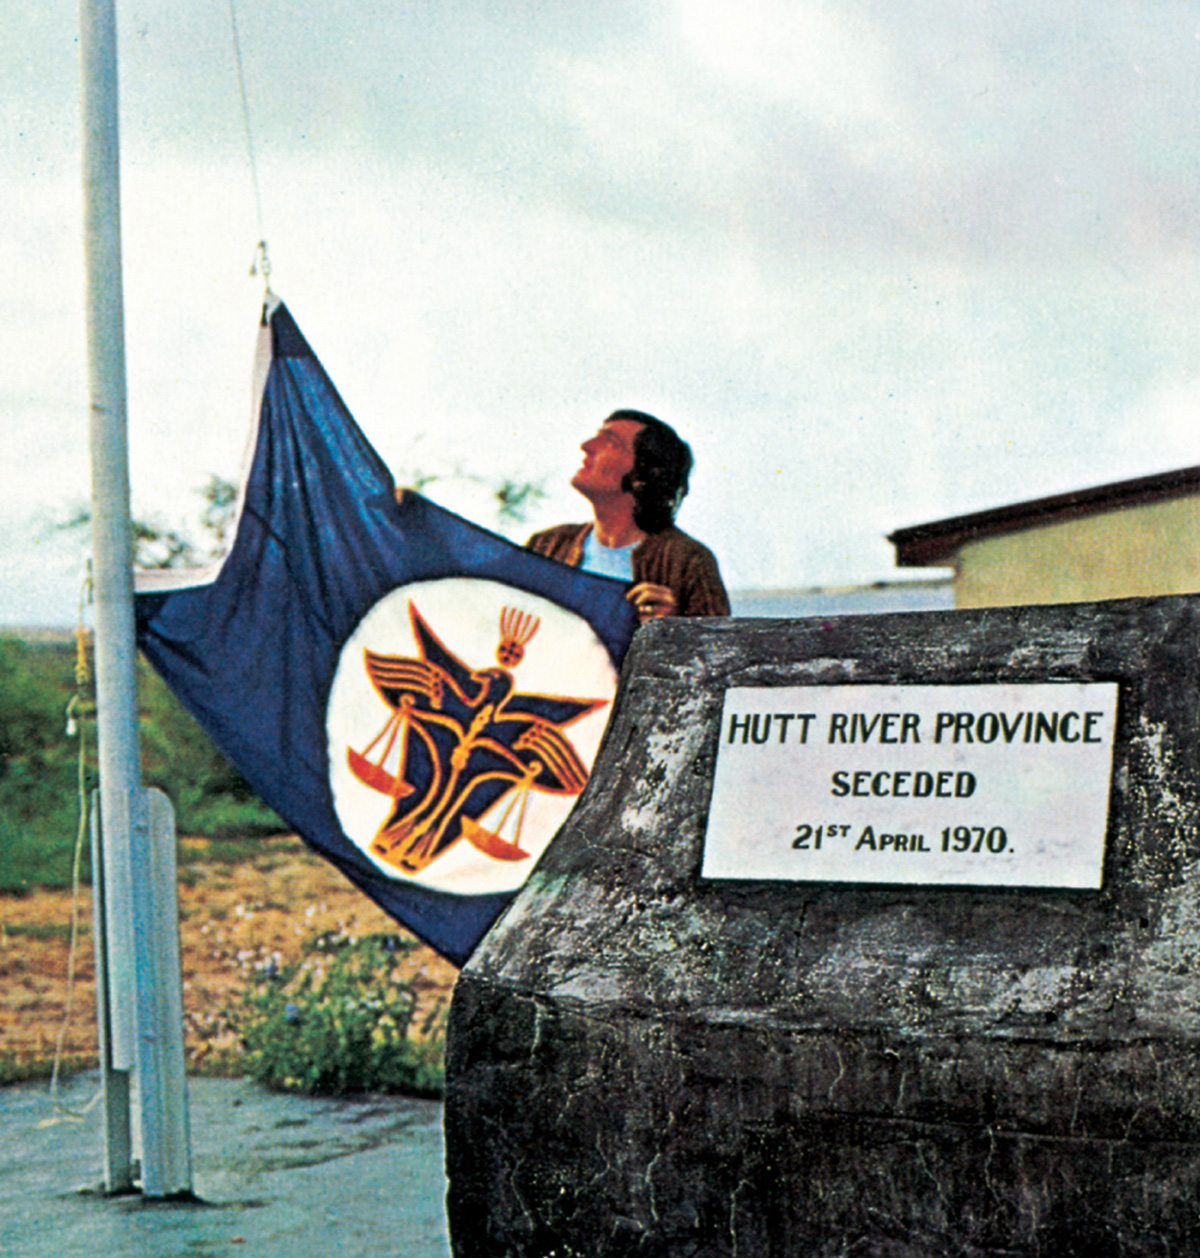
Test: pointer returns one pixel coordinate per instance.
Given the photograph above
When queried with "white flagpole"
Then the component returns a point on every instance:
(136, 1023)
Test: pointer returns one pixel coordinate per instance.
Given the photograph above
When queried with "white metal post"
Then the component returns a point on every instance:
(134, 962)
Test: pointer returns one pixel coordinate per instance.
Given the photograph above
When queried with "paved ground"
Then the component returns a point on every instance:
(277, 1175)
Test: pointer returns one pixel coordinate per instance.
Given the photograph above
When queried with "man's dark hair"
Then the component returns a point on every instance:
(662, 462)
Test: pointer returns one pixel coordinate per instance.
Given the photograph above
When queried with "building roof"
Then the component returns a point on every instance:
(905, 595)
(935, 544)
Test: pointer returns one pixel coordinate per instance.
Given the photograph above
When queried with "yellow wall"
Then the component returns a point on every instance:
(1140, 551)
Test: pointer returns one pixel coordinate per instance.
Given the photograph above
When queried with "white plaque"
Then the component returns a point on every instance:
(979, 785)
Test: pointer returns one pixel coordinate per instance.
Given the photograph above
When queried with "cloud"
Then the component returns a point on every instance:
(831, 64)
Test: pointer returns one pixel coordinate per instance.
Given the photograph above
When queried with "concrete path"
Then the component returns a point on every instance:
(277, 1175)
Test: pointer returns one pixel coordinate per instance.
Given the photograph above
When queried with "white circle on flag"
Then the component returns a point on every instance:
(563, 659)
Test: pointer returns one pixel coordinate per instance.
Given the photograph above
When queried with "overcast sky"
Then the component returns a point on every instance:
(879, 262)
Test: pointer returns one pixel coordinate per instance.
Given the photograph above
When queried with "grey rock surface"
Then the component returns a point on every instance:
(645, 1063)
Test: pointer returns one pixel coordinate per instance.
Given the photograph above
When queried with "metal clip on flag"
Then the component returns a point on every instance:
(420, 699)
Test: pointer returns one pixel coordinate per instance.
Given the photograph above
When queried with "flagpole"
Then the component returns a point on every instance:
(130, 922)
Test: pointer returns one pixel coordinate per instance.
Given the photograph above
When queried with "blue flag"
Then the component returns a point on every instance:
(418, 698)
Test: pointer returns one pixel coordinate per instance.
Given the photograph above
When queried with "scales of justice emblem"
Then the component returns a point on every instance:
(461, 748)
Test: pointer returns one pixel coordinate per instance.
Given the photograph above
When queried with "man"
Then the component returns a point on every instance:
(634, 475)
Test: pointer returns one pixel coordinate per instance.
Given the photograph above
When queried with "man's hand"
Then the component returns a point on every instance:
(651, 601)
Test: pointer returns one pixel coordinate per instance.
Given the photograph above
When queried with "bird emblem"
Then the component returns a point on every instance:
(461, 748)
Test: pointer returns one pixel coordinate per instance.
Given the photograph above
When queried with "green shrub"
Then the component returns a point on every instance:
(340, 1021)
(39, 766)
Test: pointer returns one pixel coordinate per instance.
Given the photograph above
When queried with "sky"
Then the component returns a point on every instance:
(880, 263)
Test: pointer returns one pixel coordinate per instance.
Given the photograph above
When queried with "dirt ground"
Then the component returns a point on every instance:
(235, 916)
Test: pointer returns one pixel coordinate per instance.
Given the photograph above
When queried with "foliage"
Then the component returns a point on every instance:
(514, 498)
(339, 1021)
(41, 930)
(261, 853)
(160, 545)
(39, 766)
(21, 1069)
(220, 499)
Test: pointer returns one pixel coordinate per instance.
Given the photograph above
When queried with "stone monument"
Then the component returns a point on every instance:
(869, 936)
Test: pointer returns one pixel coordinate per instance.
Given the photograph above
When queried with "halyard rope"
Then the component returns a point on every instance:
(76, 728)
(261, 263)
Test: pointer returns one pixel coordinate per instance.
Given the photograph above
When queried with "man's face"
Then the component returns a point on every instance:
(607, 459)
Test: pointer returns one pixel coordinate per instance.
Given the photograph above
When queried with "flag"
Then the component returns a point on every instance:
(418, 698)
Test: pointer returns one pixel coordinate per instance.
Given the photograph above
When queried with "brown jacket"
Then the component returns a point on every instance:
(671, 558)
